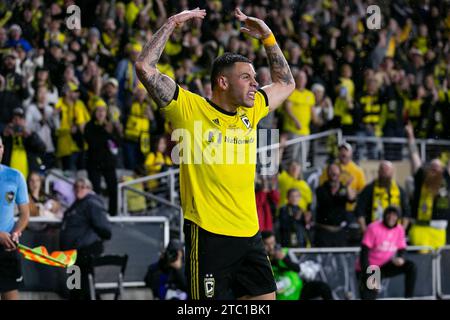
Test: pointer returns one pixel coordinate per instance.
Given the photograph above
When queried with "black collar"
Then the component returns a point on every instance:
(215, 106)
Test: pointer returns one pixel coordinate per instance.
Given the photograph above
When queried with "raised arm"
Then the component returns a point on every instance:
(282, 81)
(416, 162)
(160, 87)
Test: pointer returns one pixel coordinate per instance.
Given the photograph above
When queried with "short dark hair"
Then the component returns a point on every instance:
(267, 234)
(223, 62)
(291, 191)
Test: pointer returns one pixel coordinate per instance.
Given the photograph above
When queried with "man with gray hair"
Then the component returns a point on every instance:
(84, 227)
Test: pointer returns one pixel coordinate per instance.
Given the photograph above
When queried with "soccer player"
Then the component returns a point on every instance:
(13, 189)
(225, 256)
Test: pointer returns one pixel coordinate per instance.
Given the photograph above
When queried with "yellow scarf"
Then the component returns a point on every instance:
(382, 198)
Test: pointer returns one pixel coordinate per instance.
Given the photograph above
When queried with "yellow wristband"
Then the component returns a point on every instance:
(269, 41)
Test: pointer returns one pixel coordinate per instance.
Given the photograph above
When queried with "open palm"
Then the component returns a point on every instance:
(252, 26)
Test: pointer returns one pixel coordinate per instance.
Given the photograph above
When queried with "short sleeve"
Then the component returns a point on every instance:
(181, 107)
(261, 105)
(22, 194)
(369, 238)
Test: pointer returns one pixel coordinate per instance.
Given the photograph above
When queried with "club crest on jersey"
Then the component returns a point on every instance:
(209, 285)
(9, 196)
(246, 121)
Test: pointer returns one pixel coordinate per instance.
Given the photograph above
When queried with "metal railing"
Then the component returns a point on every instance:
(355, 250)
(382, 141)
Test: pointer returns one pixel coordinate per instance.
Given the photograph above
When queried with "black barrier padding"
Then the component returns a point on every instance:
(445, 271)
(338, 271)
(142, 242)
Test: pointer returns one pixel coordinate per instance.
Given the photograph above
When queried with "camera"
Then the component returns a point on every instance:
(171, 253)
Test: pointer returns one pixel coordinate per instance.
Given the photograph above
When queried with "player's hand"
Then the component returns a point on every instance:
(186, 15)
(254, 27)
(398, 262)
(6, 241)
(15, 236)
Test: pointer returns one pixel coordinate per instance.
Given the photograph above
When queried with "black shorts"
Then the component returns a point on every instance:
(223, 267)
(10, 270)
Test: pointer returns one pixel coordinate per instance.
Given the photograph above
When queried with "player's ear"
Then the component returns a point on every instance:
(222, 82)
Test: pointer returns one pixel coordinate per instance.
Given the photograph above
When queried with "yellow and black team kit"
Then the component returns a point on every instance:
(225, 256)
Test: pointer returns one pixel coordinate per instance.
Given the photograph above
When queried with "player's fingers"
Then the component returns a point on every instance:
(240, 15)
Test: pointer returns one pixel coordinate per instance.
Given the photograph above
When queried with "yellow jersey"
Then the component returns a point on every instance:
(217, 151)
(286, 182)
(76, 114)
(302, 103)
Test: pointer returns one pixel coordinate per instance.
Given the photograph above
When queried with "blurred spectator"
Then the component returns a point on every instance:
(15, 38)
(23, 148)
(126, 74)
(12, 87)
(370, 105)
(41, 119)
(323, 109)
(294, 223)
(293, 179)
(41, 205)
(102, 138)
(383, 192)
(351, 174)
(298, 114)
(431, 202)
(158, 161)
(73, 116)
(140, 122)
(331, 215)
(84, 228)
(42, 79)
(292, 282)
(166, 277)
(384, 245)
(267, 198)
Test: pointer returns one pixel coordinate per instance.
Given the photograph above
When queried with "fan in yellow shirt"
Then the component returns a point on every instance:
(73, 116)
(291, 179)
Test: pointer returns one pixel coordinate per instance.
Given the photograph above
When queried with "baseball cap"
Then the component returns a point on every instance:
(112, 81)
(346, 145)
(18, 112)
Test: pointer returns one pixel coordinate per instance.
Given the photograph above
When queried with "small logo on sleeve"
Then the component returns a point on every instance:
(9, 197)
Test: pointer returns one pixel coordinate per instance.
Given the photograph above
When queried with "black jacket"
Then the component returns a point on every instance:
(34, 147)
(85, 223)
(97, 138)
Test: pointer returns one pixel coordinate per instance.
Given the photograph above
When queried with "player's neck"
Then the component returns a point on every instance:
(223, 102)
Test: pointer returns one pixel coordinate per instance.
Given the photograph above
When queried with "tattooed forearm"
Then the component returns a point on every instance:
(279, 68)
(160, 87)
(152, 50)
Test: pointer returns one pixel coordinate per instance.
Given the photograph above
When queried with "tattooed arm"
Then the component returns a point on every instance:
(160, 87)
(282, 80)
